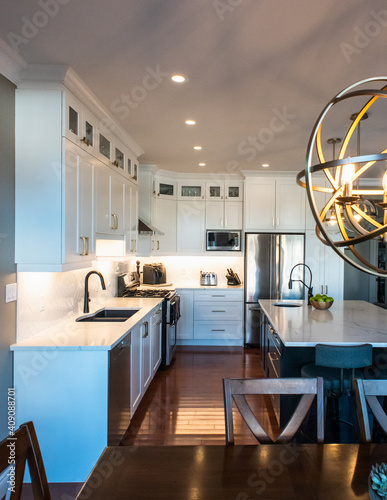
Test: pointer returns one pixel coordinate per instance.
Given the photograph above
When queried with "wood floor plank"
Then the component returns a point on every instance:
(184, 403)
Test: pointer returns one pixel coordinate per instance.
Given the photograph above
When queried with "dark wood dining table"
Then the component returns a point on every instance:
(292, 471)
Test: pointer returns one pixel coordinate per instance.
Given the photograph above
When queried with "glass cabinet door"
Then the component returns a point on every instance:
(119, 159)
(129, 166)
(234, 190)
(89, 134)
(214, 191)
(73, 121)
(104, 146)
(191, 191)
(166, 189)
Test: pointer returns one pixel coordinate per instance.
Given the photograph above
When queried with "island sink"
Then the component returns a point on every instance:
(108, 315)
(286, 304)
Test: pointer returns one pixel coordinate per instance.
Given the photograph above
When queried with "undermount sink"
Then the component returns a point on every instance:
(286, 304)
(108, 315)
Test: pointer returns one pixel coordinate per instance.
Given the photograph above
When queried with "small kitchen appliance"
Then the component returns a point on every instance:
(232, 278)
(208, 279)
(154, 274)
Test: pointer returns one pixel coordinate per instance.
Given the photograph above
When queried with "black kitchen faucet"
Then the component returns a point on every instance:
(86, 298)
(310, 288)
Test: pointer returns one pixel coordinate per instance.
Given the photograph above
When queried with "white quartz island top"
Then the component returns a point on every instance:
(72, 335)
(346, 322)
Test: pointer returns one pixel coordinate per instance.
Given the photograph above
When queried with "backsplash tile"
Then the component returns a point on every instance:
(44, 299)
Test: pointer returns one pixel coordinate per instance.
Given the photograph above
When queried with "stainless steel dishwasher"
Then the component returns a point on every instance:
(119, 391)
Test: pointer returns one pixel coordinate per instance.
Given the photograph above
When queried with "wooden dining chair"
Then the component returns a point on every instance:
(237, 389)
(23, 447)
(367, 393)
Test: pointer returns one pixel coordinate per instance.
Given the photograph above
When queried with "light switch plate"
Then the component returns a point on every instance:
(11, 292)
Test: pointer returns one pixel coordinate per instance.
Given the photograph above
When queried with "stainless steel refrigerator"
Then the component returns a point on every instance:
(269, 258)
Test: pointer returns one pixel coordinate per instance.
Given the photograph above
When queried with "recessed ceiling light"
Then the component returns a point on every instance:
(197, 147)
(190, 122)
(202, 164)
(179, 78)
(265, 165)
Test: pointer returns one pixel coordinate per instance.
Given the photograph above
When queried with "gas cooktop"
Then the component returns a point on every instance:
(149, 292)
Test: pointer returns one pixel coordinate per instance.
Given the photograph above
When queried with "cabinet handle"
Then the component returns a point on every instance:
(226, 222)
(131, 249)
(273, 356)
(85, 141)
(159, 322)
(153, 245)
(85, 241)
(217, 295)
(215, 330)
(115, 222)
(217, 311)
(273, 222)
(221, 222)
(158, 245)
(146, 330)
(135, 245)
(326, 289)
(158, 312)
(322, 289)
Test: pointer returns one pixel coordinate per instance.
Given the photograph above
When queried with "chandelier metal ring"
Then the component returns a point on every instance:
(347, 204)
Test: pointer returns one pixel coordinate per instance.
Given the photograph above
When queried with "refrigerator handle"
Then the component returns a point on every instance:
(277, 265)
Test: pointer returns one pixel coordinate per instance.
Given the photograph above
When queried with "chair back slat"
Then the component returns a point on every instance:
(237, 389)
(367, 392)
(26, 450)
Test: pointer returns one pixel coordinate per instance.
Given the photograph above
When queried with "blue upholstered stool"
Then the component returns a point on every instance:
(338, 365)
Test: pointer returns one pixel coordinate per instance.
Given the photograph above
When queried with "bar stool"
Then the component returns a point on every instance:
(338, 366)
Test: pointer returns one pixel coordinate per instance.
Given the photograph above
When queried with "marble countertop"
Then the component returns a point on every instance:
(346, 322)
(72, 335)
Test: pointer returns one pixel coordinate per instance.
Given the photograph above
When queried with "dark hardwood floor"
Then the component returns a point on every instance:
(184, 403)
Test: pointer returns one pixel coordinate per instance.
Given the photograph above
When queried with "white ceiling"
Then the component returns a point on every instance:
(248, 62)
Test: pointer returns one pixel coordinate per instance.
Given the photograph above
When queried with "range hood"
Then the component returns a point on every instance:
(146, 228)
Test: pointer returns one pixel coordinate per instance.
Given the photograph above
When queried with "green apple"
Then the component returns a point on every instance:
(329, 299)
(317, 296)
(324, 297)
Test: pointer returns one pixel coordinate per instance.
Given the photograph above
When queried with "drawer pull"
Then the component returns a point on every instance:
(215, 311)
(273, 356)
(213, 330)
(217, 295)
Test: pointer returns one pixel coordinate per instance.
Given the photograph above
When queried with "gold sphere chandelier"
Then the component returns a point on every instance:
(355, 200)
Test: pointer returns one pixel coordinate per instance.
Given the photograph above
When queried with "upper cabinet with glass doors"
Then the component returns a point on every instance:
(228, 190)
(86, 131)
(191, 190)
(164, 187)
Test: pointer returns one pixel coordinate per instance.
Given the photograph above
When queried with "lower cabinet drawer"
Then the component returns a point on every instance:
(230, 330)
(214, 311)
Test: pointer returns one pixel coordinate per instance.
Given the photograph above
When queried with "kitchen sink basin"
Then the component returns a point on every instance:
(108, 315)
(286, 304)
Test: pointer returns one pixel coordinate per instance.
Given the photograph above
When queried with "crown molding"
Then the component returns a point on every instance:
(11, 64)
(53, 76)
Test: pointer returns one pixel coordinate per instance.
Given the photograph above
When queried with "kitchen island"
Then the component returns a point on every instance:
(290, 331)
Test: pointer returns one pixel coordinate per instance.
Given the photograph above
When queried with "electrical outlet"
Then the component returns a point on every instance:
(11, 292)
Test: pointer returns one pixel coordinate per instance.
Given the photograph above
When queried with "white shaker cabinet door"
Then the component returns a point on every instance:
(191, 226)
(259, 204)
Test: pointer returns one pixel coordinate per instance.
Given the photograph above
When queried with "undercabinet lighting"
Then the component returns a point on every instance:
(202, 164)
(179, 78)
(265, 165)
(197, 147)
(190, 122)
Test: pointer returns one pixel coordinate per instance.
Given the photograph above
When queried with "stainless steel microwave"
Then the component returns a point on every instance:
(223, 241)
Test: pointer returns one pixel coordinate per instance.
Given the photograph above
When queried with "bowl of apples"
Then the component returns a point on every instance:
(321, 302)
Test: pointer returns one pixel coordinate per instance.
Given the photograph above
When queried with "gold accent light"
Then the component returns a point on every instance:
(354, 188)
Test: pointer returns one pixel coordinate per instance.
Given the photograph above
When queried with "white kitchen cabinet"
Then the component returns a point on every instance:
(217, 190)
(109, 199)
(191, 226)
(191, 190)
(327, 267)
(164, 218)
(164, 188)
(131, 218)
(218, 317)
(185, 324)
(54, 188)
(224, 214)
(156, 339)
(135, 368)
(79, 203)
(274, 204)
